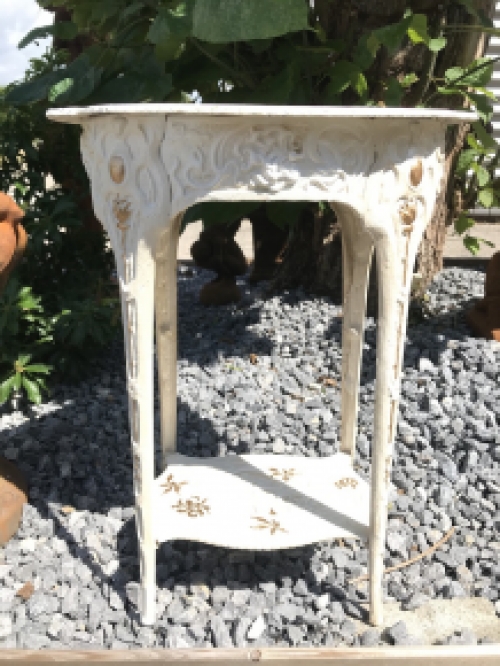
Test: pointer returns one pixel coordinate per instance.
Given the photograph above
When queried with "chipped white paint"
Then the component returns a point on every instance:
(381, 170)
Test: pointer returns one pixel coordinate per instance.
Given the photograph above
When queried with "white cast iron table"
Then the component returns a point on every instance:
(381, 170)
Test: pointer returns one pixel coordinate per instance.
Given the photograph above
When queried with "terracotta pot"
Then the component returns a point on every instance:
(13, 496)
(13, 237)
(484, 318)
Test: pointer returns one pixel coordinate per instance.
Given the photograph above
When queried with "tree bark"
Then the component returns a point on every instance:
(313, 258)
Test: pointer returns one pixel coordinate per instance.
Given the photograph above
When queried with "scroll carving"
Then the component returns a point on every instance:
(263, 158)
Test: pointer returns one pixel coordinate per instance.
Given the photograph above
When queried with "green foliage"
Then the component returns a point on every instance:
(63, 281)
(235, 51)
(475, 177)
(263, 51)
(226, 50)
(63, 30)
(23, 327)
(223, 21)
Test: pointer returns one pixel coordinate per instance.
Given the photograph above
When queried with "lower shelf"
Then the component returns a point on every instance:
(260, 502)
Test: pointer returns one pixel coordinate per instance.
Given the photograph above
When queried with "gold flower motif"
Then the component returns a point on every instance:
(194, 507)
(169, 484)
(282, 474)
(346, 483)
(265, 523)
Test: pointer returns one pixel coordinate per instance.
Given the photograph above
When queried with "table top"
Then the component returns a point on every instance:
(78, 114)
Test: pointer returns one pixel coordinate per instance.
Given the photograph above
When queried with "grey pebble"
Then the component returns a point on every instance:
(75, 450)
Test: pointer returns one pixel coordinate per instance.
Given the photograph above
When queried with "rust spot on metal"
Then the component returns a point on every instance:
(416, 173)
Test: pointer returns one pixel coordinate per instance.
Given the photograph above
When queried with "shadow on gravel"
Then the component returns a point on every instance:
(426, 334)
(69, 461)
(96, 487)
(206, 332)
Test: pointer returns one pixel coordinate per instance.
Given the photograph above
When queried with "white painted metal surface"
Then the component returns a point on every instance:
(260, 502)
(380, 169)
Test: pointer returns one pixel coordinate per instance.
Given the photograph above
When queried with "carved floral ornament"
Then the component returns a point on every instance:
(264, 157)
(169, 164)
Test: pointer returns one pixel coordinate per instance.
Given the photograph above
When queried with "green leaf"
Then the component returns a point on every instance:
(436, 44)
(38, 368)
(478, 73)
(360, 85)
(6, 388)
(394, 92)
(34, 90)
(417, 30)
(486, 197)
(132, 87)
(346, 74)
(486, 139)
(451, 91)
(62, 30)
(482, 174)
(80, 71)
(409, 80)
(483, 106)
(472, 244)
(32, 390)
(486, 242)
(23, 359)
(463, 223)
(223, 21)
(485, 91)
(393, 34)
(453, 73)
(74, 90)
(366, 51)
(60, 88)
(170, 29)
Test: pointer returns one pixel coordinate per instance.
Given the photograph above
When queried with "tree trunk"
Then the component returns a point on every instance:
(313, 258)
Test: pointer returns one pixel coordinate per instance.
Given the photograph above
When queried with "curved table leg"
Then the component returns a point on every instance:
(395, 259)
(138, 318)
(357, 250)
(166, 334)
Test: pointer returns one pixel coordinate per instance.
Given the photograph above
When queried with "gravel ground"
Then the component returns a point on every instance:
(77, 541)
